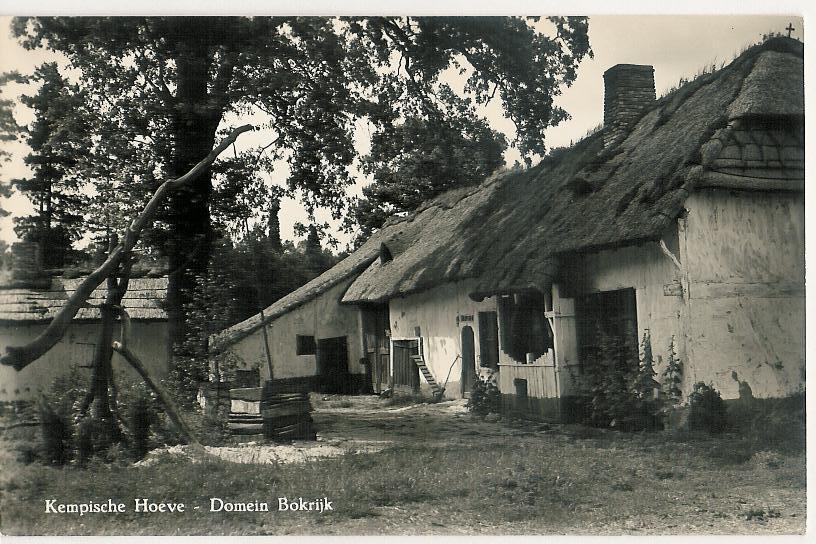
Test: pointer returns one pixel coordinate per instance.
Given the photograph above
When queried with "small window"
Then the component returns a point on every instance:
(305, 345)
(246, 378)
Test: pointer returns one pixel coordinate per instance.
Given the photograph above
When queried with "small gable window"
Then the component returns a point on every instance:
(305, 345)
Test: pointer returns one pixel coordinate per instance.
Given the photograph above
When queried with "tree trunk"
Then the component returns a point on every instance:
(102, 365)
(102, 409)
(194, 126)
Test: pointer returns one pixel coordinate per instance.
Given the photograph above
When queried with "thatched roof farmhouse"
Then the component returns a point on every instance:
(683, 219)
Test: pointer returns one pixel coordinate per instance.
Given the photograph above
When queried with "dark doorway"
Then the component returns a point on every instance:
(332, 365)
(610, 315)
(377, 335)
(520, 401)
(468, 360)
(489, 340)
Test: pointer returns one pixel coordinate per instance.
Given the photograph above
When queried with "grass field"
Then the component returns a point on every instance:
(441, 472)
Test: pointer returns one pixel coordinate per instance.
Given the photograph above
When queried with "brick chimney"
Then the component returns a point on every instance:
(26, 263)
(629, 90)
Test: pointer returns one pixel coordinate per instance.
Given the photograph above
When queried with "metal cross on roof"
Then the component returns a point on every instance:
(790, 29)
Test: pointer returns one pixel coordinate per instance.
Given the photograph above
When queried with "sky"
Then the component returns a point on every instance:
(677, 46)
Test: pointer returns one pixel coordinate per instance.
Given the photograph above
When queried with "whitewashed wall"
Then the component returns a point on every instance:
(434, 311)
(149, 341)
(745, 260)
(651, 273)
(322, 317)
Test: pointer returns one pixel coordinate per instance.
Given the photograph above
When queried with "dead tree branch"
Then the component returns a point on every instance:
(19, 357)
(161, 393)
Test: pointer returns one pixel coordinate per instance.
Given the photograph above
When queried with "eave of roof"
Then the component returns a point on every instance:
(144, 300)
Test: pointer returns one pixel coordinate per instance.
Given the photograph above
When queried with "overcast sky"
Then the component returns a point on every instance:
(677, 47)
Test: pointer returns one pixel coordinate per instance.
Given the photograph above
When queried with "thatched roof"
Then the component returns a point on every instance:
(348, 267)
(144, 300)
(508, 233)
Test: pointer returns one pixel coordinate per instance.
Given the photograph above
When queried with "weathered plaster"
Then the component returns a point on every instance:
(148, 340)
(434, 311)
(746, 291)
(322, 317)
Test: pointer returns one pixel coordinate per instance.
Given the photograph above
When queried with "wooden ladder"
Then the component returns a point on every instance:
(435, 387)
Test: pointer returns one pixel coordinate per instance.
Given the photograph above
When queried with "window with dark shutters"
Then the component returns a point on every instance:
(524, 327)
(489, 339)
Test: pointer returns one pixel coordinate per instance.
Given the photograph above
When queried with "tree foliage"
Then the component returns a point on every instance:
(9, 130)
(420, 158)
(58, 138)
(160, 88)
(242, 279)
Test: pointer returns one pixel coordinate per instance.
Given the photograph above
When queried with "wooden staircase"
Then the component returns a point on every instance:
(437, 390)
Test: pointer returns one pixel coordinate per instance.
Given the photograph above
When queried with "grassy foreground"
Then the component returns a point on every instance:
(442, 473)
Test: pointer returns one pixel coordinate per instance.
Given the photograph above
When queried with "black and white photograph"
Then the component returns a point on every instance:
(342, 273)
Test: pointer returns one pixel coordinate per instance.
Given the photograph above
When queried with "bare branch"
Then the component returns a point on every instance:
(162, 394)
(19, 357)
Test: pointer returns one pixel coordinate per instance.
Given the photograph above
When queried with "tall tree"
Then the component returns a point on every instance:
(8, 133)
(415, 160)
(58, 138)
(168, 83)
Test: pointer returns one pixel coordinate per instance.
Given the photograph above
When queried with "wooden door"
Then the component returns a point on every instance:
(489, 340)
(332, 364)
(406, 372)
(377, 337)
(468, 360)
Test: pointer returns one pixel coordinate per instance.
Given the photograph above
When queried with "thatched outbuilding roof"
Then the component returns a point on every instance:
(508, 233)
(144, 300)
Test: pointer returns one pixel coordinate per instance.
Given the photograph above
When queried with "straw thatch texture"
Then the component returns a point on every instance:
(774, 87)
(508, 232)
(144, 300)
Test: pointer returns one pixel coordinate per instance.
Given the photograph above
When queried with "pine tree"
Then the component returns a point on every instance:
(58, 140)
(673, 376)
(645, 383)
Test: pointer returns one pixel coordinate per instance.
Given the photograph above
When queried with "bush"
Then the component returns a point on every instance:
(484, 397)
(57, 434)
(86, 445)
(140, 416)
(619, 386)
(707, 410)
(777, 424)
